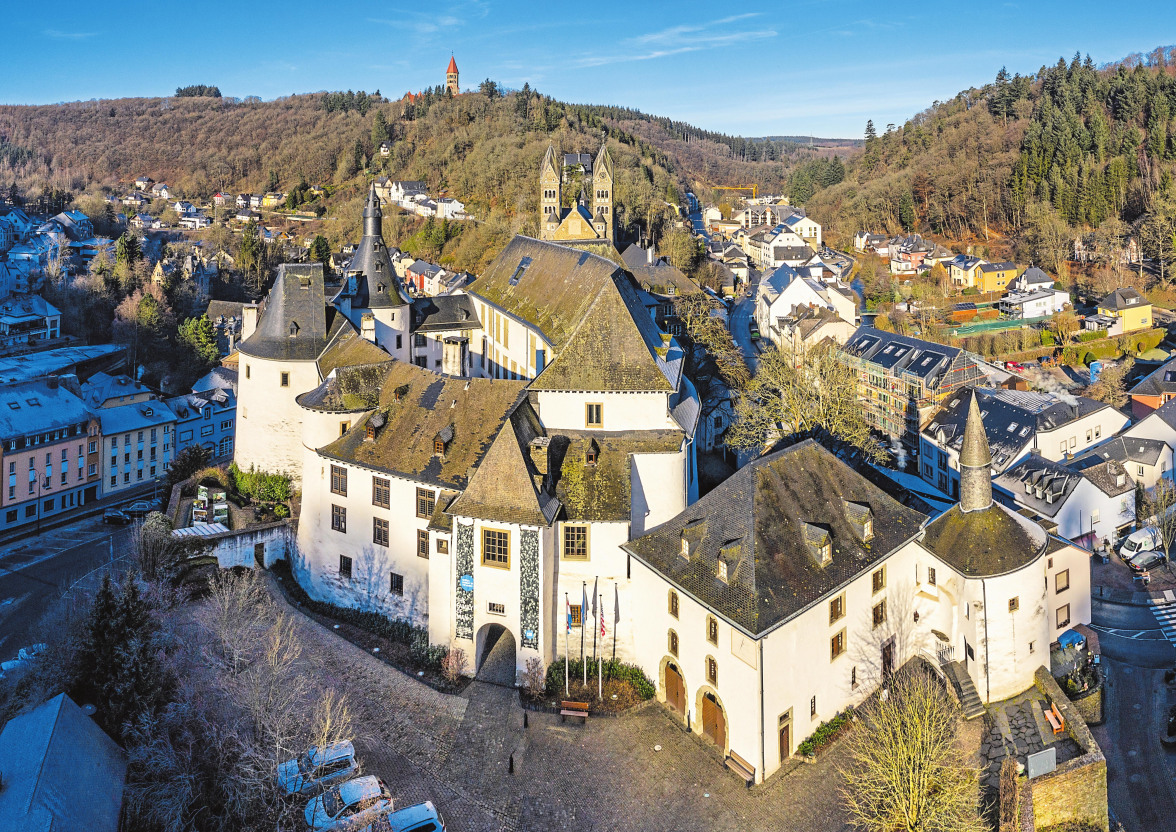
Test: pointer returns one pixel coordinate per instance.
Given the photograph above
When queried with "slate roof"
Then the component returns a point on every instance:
(445, 312)
(661, 278)
(61, 772)
(635, 256)
(295, 322)
(132, 417)
(1040, 484)
(347, 347)
(1159, 381)
(1012, 418)
(895, 352)
(222, 378)
(224, 308)
(991, 541)
(32, 407)
(348, 389)
(1110, 477)
(428, 403)
(552, 286)
(1122, 449)
(507, 487)
(755, 520)
(369, 281)
(997, 267)
(1034, 276)
(792, 253)
(1124, 298)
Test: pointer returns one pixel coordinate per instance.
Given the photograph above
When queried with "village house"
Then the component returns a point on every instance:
(206, 418)
(28, 319)
(1016, 423)
(784, 292)
(962, 271)
(1154, 390)
(1123, 310)
(994, 277)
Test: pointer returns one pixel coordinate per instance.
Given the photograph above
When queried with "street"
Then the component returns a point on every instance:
(742, 314)
(35, 571)
(1131, 635)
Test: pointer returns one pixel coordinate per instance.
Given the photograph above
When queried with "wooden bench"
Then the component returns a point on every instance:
(741, 767)
(1055, 719)
(576, 709)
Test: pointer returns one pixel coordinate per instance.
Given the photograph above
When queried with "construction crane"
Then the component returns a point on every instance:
(753, 188)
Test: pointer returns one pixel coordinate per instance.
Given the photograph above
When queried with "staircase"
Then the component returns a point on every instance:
(965, 690)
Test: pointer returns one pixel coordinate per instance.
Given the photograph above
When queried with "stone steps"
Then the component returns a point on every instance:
(970, 701)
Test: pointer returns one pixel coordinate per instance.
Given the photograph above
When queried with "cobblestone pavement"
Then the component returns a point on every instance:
(605, 775)
(1014, 731)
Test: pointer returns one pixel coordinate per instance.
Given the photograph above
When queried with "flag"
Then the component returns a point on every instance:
(568, 606)
(583, 603)
(603, 631)
(595, 584)
(616, 605)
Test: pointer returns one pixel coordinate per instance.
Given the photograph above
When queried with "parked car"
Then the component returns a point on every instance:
(27, 654)
(1147, 559)
(423, 817)
(139, 508)
(1013, 366)
(319, 767)
(118, 518)
(1143, 540)
(362, 798)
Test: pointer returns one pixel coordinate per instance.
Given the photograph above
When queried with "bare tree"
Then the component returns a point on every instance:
(1111, 386)
(239, 607)
(1063, 326)
(905, 772)
(1159, 504)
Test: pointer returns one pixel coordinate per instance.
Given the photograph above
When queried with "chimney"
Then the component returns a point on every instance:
(248, 320)
(367, 327)
(454, 352)
(540, 453)
(975, 462)
(649, 254)
(52, 382)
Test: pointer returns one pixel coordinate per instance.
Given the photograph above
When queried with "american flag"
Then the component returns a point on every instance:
(603, 631)
(568, 605)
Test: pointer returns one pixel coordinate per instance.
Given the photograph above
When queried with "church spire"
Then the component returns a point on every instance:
(975, 462)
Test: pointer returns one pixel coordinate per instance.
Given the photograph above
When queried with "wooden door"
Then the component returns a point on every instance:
(714, 724)
(785, 741)
(675, 690)
(887, 658)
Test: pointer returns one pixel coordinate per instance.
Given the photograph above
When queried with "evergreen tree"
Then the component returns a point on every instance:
(906, 210)
(320, 249)
(127, 249)
(379, 128)
(198, 335)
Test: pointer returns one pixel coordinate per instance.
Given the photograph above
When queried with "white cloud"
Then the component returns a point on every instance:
(57, 34)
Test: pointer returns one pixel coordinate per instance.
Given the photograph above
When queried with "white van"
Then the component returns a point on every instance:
(1143, 540)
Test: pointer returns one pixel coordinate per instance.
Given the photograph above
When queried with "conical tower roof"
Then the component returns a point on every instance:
(452, 65)
(975, 452)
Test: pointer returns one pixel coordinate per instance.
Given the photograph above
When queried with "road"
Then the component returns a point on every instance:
(36, 570)
(1131, 635)
(742, 314)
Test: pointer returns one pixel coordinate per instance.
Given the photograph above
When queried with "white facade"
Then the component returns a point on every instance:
(269, 420)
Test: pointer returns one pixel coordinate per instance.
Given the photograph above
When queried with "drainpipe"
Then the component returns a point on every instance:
(763, 724)
(987, 677)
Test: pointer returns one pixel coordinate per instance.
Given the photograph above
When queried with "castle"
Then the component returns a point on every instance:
(516, 464)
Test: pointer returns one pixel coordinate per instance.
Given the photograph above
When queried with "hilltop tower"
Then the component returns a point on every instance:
(549, 202)
(975, 462)
(451, 84)
(602, 194)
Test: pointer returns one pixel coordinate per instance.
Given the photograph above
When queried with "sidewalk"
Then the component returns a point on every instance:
(1113, 583)
(88, 510)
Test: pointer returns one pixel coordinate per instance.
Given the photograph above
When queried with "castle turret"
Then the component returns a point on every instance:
(975, 462)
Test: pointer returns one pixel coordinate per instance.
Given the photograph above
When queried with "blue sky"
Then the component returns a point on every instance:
(822, 67)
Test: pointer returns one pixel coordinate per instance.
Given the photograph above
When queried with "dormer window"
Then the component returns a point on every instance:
(685, 550)
(590, 457)
(868, 528)
(722, 570)
(293, 329)
(438, 447)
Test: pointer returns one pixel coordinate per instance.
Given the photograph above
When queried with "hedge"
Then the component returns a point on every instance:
(613, 669)
(1091, 335)
(394, 629)
(826, 732)
(1105, 348)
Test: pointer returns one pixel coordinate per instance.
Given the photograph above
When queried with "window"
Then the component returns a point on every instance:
(495, 608)
(878, 579)
(813, 708)
(1094, 515)
(1014, 604)
(442, 546)
(339, 480)
(422, 543)
(396, 584)
(343, 426)
(853, 676)
(426, 501)
(1089, 435)
(880, 613)
(673, 643)
(285, 379)
(1063, 616)
(1062, 581)
(712, 629)
(379, 531)
(381, 492)
(594, 415)
(673, 603)
(712, 670)
(339, 519)
(837, 608)
(10, 517)
(1032, 646)
(226, 424)
(496, 548)
(575, 542)
(246, 371)
(931, 575)
(837, 645)
(574, 611)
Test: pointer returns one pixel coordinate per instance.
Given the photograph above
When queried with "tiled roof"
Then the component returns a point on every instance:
(1159, 381)
(415, 405)
(445, 312)
(755, 519)
(1123, 449)
(1125, 298)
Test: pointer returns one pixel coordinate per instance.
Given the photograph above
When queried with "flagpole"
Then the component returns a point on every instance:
(595, 586)
(567, 652)
(583, 609)
(616, 618)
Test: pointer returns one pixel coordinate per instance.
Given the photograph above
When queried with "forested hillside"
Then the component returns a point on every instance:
(483, 148)
(1022, 165)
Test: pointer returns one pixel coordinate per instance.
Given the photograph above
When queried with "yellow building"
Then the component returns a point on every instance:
(1124, 310)
(273, 200)
(995, 277)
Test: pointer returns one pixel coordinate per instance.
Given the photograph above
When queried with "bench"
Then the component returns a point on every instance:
(1055, 719)
(741, 767)
(576, 709)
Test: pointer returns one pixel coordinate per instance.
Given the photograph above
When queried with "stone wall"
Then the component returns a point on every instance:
(1077, 790)
(239, 548)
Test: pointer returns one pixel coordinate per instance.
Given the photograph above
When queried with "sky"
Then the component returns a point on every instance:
(822, 67)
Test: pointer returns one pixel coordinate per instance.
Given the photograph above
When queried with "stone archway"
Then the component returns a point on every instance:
(711, 717)
(673, 686)
(495, 660)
